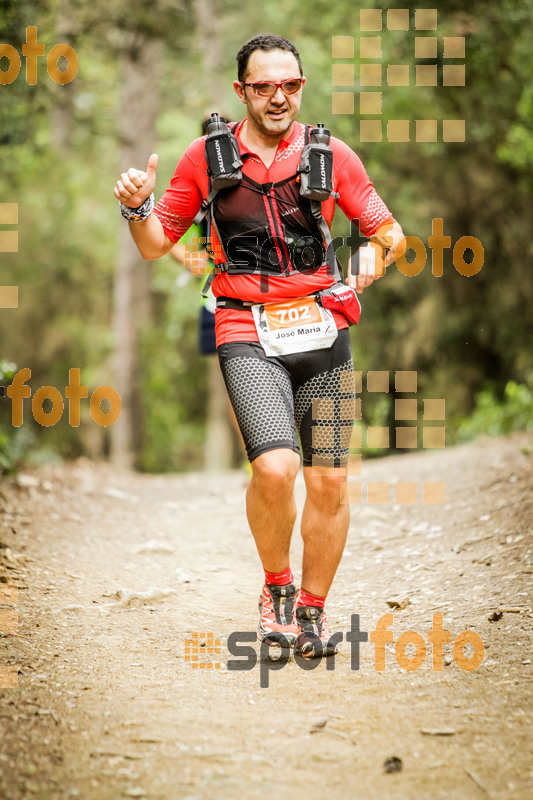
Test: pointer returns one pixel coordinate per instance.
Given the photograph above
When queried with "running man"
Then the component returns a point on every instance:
(277, 394)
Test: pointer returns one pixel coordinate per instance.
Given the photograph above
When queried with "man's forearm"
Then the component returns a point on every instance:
(149, 236)
(389, 236)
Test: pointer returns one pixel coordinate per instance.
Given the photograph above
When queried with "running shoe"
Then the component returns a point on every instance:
(313, 638)
(276, 610)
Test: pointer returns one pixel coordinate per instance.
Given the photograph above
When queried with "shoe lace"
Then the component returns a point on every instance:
(312, 621)
(281, 603)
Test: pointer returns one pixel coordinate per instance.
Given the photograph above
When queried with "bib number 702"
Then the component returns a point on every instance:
(286, 316)
(301, 311)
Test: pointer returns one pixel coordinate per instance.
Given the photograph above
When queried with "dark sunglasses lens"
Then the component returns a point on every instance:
(264, 88)
(290, 87)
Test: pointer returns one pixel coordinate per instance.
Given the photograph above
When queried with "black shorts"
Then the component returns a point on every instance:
(206, 332)
(275, 398)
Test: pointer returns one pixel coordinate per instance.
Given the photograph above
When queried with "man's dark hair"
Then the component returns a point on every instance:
(266, 42)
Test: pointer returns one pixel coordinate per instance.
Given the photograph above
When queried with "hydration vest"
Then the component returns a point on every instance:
(270, 228)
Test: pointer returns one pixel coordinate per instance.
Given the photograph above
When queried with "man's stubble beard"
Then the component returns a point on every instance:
(260, 121)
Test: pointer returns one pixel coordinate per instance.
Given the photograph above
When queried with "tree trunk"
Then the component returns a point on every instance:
(137, 112)
(220, 430)
(67, 29)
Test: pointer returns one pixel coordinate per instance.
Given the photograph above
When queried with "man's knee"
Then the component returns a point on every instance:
(276, 470)
(326, 488)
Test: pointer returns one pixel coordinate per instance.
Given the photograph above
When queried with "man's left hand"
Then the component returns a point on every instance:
(387, 244)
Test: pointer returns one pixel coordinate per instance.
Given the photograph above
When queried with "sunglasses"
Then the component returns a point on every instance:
(290, 86)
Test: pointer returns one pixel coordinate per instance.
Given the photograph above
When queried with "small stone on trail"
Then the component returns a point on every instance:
(438, 732)
(126, 597)
(154, 546)
(399, 603)
(393, 764)
(118, 494)
(319, 725)
(27, 481)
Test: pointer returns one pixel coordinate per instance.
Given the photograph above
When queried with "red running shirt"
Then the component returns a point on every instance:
(181, 202)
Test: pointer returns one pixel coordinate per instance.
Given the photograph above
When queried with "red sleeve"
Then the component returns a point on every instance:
(357, 197)
(183, 198)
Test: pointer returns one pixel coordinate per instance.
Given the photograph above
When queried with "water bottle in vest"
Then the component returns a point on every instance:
(316, 166)
(222, 154)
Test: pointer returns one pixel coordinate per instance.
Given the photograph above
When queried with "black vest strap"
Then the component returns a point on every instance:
(265, 188)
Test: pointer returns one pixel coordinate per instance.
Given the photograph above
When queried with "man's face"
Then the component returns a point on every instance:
(271, 116)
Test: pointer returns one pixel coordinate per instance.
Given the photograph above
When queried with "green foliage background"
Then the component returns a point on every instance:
(468, 338)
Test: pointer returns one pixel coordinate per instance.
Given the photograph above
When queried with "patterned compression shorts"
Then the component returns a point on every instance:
(277, 397)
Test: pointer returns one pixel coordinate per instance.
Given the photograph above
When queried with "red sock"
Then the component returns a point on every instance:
(280, 578)
(308, 599)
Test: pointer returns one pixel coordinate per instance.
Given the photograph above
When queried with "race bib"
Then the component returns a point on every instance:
(294, 326)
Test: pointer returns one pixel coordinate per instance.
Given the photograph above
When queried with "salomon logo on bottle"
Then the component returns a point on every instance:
(219, 156)
(323, 171)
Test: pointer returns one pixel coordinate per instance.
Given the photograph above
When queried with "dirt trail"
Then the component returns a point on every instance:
(109, 706)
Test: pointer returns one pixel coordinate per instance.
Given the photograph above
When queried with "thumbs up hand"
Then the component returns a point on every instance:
(134, 186)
